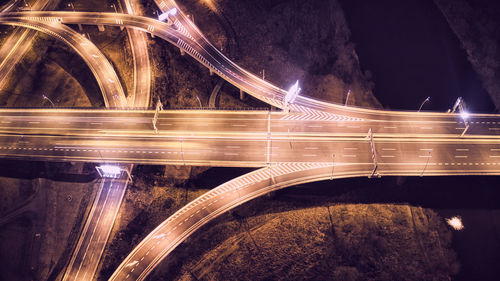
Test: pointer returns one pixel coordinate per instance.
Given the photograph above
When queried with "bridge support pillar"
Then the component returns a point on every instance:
(242, 95)
(182, 52)
(100, 27)
(211, 72)
(80, 27)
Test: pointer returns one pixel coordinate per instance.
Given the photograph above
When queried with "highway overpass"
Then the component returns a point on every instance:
(243, 138)
(315, 141)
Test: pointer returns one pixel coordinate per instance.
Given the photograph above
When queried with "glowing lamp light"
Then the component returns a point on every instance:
(165, 15)
(465, 115)
(172, 11)
(456, 223)
(110, 171)
(293, 92)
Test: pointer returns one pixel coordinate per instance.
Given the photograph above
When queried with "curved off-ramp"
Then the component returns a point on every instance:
(104, 72)
(178, 227)
(175, 32)
(18, 43)
(141, 92)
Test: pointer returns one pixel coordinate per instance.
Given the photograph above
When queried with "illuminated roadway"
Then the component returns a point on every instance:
(405, 144)
(141, 92)
(106, 76)
(174, 32)
(424, 144)
(20, 40)
(316, 141)
(239, 138)
(87, 254)
(179, 31)
(85, 259)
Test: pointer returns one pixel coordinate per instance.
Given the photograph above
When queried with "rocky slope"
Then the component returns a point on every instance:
(477, 25)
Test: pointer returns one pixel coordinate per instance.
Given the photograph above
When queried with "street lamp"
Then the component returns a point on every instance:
(457, 104)
(464, 114)
(199, 101)
(112, 171)
(428, 99)
(114, 7)
(291, 95)
(47, 98)
(164, 17)
(26, 4)
(347, 98)
(72, 6)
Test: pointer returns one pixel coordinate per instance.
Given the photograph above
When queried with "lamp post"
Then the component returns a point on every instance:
(465, 116)
(428, 99)
(72, 6)
(201, 107)
(112, 171)
(47, 98)
(114, 7)
(26, 4)
(347, 98)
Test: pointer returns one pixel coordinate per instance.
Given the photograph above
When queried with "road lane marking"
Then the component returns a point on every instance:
(461, 156)
(388, 149)
(462, 149)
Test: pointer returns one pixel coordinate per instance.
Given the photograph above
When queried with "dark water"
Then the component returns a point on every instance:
(413, 53)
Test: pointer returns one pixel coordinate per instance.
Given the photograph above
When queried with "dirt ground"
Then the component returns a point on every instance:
(331, 242)
(47, 225)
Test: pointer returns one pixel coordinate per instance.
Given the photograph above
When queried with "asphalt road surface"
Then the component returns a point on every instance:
(86, 257)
